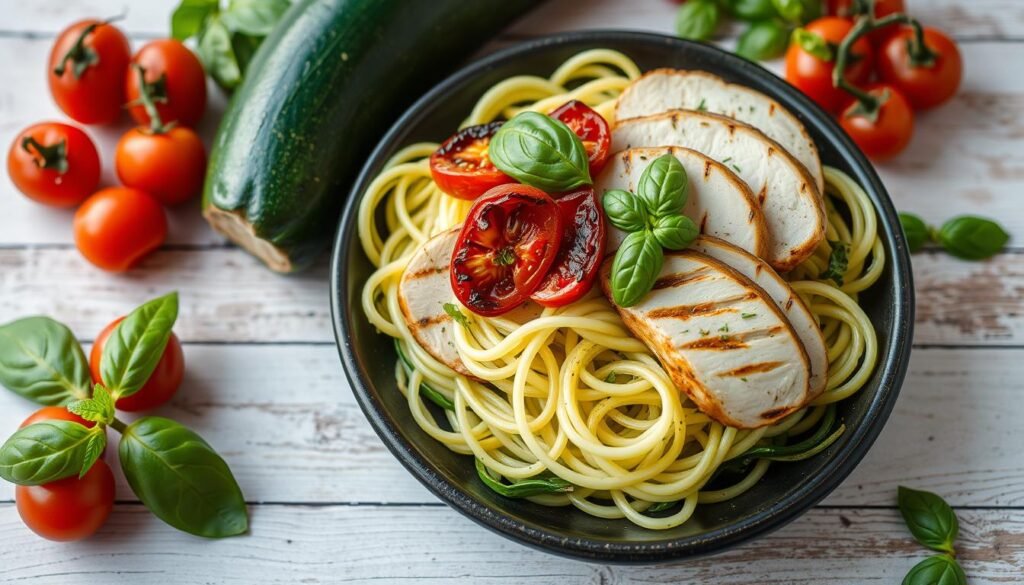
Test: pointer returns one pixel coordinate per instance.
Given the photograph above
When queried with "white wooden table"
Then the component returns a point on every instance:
(328, 502)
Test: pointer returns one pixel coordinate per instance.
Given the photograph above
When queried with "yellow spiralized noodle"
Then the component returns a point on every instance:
(572, 393)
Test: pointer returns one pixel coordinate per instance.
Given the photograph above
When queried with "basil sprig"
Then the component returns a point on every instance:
(934, 524)
(936, 570)
(967, 236)
(45, 452)
(542, 152)
(134, 348)
(41, 360)
(654, 219)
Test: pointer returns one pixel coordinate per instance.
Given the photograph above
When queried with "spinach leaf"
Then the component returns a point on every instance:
(635, 268)
(663, 186)
(838, 261)
(915, 230)
(697, 19)
(624, 210)
(540, 151)
(972, 238)
(929, 518)
(523, 488)
(188, 17)
(44, 452)
(675, 232)
(936, 570)
(254, 17)
(134, 347)
(764, 39)
(181, 479)
(41, 360)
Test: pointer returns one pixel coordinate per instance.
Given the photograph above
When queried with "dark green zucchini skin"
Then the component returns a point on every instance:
(319, 94)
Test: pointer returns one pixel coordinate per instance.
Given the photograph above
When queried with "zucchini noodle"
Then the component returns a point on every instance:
(571, 393)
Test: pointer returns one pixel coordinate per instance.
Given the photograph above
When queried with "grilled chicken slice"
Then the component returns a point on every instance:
(718, 202)
(722, 339)
(792, 206)
(791, 305)
(662, 90)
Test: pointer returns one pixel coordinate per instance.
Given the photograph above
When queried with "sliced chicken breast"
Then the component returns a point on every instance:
(793, 207)
(722, 339)
(718, 202)
(790, 303)
(662, 90)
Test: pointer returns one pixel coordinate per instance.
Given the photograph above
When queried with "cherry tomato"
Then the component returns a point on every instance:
(591, 128)
(583, 239)
(889, 134)
(844, 8)
(86, 71)
(461, 166)
(55, 413)
(813, 76)
(70, 508)
(924, 86)
(54, 164)
(175, 78)
(507, 244)
(162, 384)
(169, 165)
(117, 227)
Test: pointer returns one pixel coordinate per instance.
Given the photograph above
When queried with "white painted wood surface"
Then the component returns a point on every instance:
(329, 504)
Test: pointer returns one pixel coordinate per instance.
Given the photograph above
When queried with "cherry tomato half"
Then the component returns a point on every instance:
(55, 413)
(162, 384)
(889, 134)
(175, 78)
(844, 8)
(813, 76)
(591, 128)
(86, 71)
(461, 166)
(117, 227)
(54, 164)
(170, 165)
(507, 244)
(924, 86)
(579, 257)
(70, 508)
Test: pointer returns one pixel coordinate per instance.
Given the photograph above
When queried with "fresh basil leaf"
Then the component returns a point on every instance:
(972, 238)
(523, 488)
(134, 348)
(244, 47)
(929, 518)
(99, 408)
(624, 210)
(254, 17)
(44, 452)
(217, 54)
(188, 17)
(915, 230)
(93, 448)
(663, 186)
(41, 360)
(763, 40)
(936, 570)
(675, 232)
(814, 44)
(181, 479)
(540, 151)
(838, 260)
(636, 266)
(697, 20)
(752, 9)
(791, 10)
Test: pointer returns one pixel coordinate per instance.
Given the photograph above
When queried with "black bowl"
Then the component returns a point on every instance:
(784, 493)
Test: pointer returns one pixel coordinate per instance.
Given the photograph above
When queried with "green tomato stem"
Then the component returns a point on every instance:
(118, 426)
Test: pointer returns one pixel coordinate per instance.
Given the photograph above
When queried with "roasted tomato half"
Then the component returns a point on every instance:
(461, 166)
(579, 257)
(591, 128)
(505, 249)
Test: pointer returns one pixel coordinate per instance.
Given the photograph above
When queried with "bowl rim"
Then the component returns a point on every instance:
(893, 363)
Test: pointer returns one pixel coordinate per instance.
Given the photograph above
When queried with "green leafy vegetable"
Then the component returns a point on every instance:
(44, 452)
(930, 519)
(972, 238)
(764, 39)
(41, 360)
(455, 313)
(675, 232)
(93, 448)
(523, 488)
(751, 9)
(697, 20)
(133, 349)
(425, 390)
(187, 19)
(181, 479)
(837, 262)
(254, 17)
(542, 152)
(624, 210)
(915, 230)
(635, 268)
(663, 186)
(660, 507)
(814, 44)
(99, 408)
(936, 570)
(218, 55)
(791, 10)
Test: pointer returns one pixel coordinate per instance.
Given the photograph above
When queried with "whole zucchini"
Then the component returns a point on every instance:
(321, 90)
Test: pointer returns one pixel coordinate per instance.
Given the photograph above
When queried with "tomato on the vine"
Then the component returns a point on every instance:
(55, 413)
(927, 84)
(883, 8)
(86, 71)
(71, 508)
(169, 164)
(812, 74)
(579, 257)
(889, 133)
(461, 166)
(592, 129)
(174, 77)
(506, 247)
(55, 164)
(117, 227)
(162, 384)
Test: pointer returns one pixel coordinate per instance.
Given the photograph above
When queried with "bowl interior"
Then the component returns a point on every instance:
(787, 489)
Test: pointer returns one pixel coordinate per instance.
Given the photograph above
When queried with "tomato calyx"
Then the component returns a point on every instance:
(53, 157)
(81, 56)
(814, 44)
(149, 94)
(869, 110)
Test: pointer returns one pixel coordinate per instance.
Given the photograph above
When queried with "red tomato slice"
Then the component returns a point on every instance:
(579, 257)
(506, 247)
(591, 128)
(461, 166)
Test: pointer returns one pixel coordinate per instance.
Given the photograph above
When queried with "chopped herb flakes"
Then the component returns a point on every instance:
(748, 315)
(704, 332)
(724, 327)
(702, 106)
(454, 312)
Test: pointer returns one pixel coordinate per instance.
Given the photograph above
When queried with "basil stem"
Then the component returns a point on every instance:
(523, 488)
(44, 452)
(542, 152)
(936, 570)
(134, 348)
(41, 360)
(930, 519)
(425, 390)
(972, 238)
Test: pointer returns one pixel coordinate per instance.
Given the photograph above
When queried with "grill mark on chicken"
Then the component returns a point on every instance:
(760, 333)
(777, 413)
(674, 280)
(686, 311)
(426, 272)
(722, 343)
(748, 369)
(762, 195)
(707, 168)
(432, 320)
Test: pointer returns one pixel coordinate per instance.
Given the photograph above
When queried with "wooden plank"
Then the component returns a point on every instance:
(285, 419)
(434, 545)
